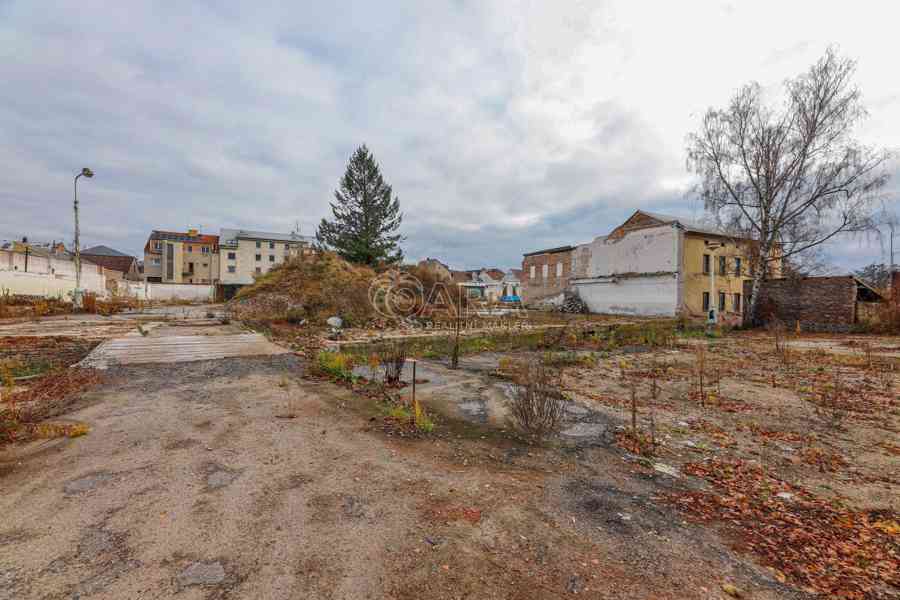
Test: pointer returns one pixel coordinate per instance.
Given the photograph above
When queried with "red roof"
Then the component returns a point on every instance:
(179, 236)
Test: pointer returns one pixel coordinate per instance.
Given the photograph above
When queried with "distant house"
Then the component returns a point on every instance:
(512, 285)
(484, 284)
(435, 266)
(114, 261)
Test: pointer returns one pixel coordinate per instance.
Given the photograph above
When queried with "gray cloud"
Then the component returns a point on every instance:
(502, 127)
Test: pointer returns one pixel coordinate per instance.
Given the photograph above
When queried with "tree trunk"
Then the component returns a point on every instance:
(759, 275)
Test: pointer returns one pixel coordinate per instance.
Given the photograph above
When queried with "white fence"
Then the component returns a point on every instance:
(168, 291)
(49, 285)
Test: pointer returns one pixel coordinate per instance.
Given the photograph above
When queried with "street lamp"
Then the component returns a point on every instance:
(78, 297)
(713, 297)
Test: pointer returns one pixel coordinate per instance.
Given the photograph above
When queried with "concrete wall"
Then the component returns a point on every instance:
(650, 250)
(646, 295)
(168, 291)
(49, 286)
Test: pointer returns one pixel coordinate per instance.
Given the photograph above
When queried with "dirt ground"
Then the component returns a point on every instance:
(241, 478)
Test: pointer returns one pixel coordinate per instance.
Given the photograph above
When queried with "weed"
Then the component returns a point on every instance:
(538, 403)
(393, 357)
(335, 364)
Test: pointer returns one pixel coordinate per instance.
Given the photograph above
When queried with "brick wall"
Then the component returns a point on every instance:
(58, 351)
(818, 303)
(538, 287)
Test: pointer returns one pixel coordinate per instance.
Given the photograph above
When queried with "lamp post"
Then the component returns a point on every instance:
(78, 294)
(713, 297)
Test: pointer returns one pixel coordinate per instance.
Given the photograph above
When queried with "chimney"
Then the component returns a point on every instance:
(193, 232)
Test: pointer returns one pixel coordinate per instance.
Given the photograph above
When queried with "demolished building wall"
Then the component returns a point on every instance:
(632, 273)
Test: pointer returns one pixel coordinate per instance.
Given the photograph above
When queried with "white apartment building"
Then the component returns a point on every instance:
(246, 254)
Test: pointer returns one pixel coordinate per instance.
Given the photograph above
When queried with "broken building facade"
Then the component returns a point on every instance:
(650, 265)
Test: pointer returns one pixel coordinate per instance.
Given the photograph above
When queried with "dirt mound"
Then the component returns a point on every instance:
(313, 288)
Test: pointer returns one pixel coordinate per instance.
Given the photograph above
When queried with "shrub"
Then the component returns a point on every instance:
(393, 357)
(335, 364)
(538, 403)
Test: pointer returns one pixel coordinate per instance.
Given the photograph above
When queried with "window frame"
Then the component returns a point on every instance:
(736, 301)
(705, 301)
(259, 258)
(738, 264)
(232, 256)
(707, 263)
(531, 272)
(723, 266)
(559, 269)
(722, 302)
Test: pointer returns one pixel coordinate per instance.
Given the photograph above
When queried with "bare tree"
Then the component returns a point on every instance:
(791, 177)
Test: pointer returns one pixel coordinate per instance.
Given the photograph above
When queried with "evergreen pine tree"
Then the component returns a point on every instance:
(366, 215)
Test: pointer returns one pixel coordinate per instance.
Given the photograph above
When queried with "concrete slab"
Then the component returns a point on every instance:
(173, 349)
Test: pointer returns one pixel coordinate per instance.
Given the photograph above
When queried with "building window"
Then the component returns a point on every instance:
(232, 256)
(258, 270)
(259, 244)
(737, 267)
(721, 301)
(204, 249)
(271, 258)
(170, 262)
(232, 268)
(705, 301)
(205, 265)
(559, 269)
(190, 248)
(157, 245)
(271, 245)
(737, 303)
(154, 261)
(545, 271)
(531, 272)
(706, 263)
(258, 257)
(723, 264)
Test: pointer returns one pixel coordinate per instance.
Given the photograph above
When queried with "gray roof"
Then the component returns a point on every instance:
(103, 251)
(230, 237)
(688, 224)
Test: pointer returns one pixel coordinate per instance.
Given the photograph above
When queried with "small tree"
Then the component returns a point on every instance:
(791, 177)
(366, 215)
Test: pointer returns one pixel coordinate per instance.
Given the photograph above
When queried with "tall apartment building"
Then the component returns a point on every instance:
(176, 257)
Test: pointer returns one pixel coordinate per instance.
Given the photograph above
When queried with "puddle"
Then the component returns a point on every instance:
(86, 483)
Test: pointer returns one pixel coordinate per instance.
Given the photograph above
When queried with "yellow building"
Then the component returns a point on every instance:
(176, 257)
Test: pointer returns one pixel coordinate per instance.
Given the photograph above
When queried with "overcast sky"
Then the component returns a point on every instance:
(503, 127)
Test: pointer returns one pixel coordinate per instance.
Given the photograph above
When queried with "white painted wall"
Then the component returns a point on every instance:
(168, 291)
(48, 285)
(651, 250)
(642, 296)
